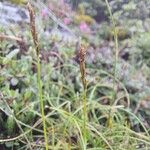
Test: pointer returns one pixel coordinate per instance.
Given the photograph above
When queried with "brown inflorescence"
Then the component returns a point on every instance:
(82, 54)
(33, 28)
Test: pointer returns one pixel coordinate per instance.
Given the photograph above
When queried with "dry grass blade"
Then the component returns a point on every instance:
(7, 37)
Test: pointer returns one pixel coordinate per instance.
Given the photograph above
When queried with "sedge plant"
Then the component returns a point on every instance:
(39, 82)
(82, 54)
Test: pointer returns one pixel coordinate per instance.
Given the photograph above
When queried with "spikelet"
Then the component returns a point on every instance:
(82, 55)
(33, 28)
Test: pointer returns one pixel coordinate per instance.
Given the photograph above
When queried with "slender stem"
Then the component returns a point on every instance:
(41, 100)
(53, 136)
(110, 117)
(85, 116)
(116, 44)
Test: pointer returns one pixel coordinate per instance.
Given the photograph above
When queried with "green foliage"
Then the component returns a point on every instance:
(10, 125)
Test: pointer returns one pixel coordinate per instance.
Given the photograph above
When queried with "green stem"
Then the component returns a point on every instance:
(116, 45)
(85, 116)
(110, 117)
(41, 100)
(53, 136)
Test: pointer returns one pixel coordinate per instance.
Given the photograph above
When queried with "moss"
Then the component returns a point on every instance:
(121, 32)
(81, 9)
(84, 18)
(19, 1)
(81, 16)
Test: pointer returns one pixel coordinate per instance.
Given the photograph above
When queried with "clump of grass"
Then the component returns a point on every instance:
(12, 118)
(37, 48)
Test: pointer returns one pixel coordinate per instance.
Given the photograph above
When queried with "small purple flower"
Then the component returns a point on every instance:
(44, 13)
(66, 21)
(84, 27)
